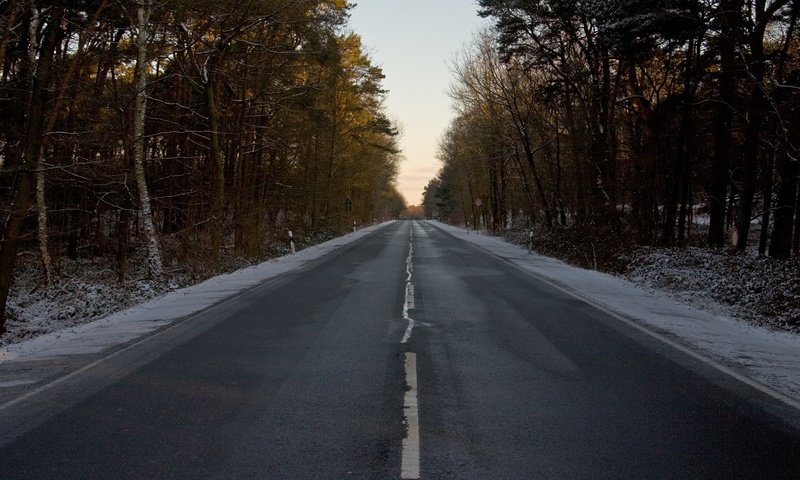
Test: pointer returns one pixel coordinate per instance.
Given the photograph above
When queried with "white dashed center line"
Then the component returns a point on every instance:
(410, 456)
(409, 300)
(409, 467)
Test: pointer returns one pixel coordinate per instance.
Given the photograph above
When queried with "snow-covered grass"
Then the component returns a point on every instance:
(697, 297)
(759, 290)
(85, 290)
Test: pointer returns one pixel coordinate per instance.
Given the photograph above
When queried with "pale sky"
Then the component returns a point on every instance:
(415, 41)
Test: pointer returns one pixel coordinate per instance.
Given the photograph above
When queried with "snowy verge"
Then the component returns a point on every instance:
(139, 320)
(767, 356)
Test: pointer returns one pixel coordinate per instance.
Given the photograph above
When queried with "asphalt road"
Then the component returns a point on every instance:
(319, 374)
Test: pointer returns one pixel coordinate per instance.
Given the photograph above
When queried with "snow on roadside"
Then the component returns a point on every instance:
(771, 357)
(146, 317)
(86, 290)
(763, 290)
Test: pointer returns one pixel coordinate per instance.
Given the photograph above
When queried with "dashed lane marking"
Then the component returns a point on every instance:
(410, 456)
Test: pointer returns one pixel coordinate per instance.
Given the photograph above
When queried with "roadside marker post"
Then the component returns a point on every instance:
(291, 242)
(530, 242)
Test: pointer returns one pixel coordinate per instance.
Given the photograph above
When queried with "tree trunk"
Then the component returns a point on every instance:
(123, 233)
(671, 198)
(523, 175)
(218, 166)
(33, 138)
(6, 29)
(559, 197)
(764, 14)
(752, 143)
(684, 157)
(41, 204)
(766, 190)
(41, 209)
(52, 118)
(723, 123)
(537, 180)
(786, 167)
(685, 212)
(781, 245)
(154, 261)
(580, 166)
(796, 239)
(647, 154)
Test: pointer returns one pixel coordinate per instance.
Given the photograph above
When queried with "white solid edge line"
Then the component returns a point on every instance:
(75, 373)
(789, 401)
(409, 468)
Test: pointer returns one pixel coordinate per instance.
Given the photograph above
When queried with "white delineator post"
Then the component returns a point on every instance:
(530, 242)
(291, 242)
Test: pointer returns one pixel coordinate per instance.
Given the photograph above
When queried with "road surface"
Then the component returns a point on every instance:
(407, 354)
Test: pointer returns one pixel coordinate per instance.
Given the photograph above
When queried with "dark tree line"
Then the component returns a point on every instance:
(184, 129)
(640, 117)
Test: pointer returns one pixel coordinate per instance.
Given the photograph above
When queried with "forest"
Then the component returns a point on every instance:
(179, 133)
(605, 124)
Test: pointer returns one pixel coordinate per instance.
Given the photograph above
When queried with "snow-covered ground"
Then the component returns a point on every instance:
(768, 356)
(758, 289)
